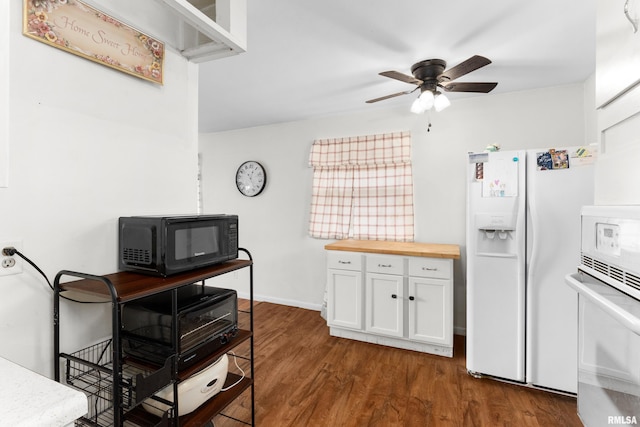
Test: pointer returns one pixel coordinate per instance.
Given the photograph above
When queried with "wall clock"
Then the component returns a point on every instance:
(251, 178)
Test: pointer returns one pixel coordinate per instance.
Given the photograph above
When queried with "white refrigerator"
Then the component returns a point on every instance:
(523, 235)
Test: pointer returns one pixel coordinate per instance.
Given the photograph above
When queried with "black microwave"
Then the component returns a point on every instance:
(165, 245)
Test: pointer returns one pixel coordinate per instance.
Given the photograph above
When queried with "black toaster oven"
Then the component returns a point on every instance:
(207, 318)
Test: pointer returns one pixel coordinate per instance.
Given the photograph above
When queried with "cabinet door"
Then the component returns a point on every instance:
(431, 310)
(344, 293)
(385, 311)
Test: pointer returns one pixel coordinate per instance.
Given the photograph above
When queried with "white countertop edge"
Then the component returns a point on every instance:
(30, 399)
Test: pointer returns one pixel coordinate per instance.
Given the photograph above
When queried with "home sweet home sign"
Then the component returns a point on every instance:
(75, 27)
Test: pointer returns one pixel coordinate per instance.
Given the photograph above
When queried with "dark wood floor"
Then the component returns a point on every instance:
(306, 378)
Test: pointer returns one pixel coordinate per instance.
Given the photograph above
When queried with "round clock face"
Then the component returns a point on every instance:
(251, 178)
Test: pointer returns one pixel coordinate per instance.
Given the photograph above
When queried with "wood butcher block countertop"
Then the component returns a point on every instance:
(429, 250)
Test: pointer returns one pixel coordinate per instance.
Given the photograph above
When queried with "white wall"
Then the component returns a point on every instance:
(289, 265)
(87, 144)
(4, 92)
(590, 116)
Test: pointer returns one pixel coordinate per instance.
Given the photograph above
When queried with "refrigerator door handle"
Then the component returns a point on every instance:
(521, 251)
(533, 210)
(531, 262)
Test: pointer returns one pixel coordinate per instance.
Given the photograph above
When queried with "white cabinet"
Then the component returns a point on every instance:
(209, 29)
(429, 320)
(405, 301)
(385, 304)
(384, 291)
(430, 293)
(344, 290)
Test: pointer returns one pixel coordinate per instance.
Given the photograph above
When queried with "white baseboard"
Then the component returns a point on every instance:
(281, 301)
(440, 350)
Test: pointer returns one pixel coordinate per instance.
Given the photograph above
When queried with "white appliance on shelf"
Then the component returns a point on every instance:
(608, 287)
(523, 233)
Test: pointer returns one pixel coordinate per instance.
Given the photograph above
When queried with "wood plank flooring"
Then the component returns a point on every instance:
(306, 378)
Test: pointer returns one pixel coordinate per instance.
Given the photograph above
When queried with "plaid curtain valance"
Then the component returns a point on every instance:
(362, 188)
(362, 151)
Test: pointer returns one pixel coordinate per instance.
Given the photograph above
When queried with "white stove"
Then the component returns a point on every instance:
(608, 287)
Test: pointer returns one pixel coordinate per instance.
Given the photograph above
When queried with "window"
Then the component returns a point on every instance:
(362, 188)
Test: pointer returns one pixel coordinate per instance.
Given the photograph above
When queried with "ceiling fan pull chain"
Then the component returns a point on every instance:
(634, 22)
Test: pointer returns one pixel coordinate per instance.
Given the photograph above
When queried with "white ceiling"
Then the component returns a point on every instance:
(316, 58)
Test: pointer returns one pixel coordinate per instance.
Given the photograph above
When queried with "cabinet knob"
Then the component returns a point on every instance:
(412, 298)
(394, 296)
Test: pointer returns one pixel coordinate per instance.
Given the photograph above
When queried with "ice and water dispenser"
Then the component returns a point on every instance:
(495, 234)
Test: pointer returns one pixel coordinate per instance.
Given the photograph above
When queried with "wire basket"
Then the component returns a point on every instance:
(90, 370)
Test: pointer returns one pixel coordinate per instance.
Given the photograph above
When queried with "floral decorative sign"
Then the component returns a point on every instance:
(75, 27)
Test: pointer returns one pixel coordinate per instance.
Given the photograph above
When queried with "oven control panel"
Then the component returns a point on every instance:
(607, 238)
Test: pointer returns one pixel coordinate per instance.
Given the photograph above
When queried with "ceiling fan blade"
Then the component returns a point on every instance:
(466, 67)
(468, 87)
(382, 98)
(402, 77)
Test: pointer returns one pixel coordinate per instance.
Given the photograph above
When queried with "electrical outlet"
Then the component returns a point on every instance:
(10, 264)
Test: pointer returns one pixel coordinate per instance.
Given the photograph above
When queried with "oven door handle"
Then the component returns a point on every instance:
(627, 319)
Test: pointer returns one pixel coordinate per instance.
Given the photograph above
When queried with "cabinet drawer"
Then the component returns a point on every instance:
(430, 267)
(385, 264)
(344, 260)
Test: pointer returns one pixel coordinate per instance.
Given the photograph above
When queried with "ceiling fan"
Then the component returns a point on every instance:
(430, 75)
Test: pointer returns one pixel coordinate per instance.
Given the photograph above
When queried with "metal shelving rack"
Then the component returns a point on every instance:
(115, 385)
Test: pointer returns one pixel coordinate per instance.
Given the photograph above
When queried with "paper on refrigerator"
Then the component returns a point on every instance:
(500, 175)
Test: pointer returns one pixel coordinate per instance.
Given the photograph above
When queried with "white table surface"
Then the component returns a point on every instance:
(30, 399)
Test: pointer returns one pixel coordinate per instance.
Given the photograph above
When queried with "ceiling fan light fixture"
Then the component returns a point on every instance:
(441, 102)
(426, 99)
(417, 107)
(423, 102)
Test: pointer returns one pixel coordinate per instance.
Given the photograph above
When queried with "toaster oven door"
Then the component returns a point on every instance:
(208, 322)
